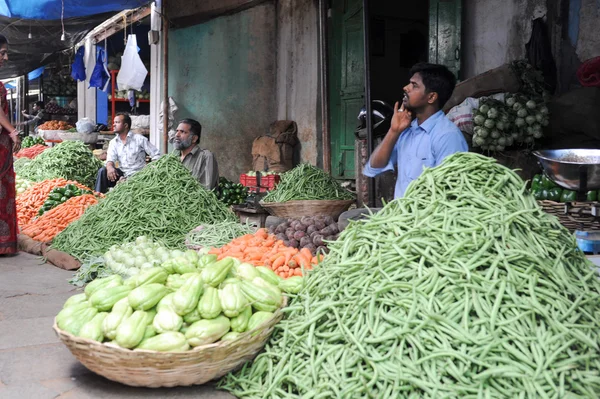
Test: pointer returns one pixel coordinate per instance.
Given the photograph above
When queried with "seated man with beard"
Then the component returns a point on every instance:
(202, 164)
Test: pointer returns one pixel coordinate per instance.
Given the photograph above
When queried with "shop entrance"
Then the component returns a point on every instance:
(401, 34)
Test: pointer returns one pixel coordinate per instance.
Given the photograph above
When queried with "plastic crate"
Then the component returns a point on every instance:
(267, 183)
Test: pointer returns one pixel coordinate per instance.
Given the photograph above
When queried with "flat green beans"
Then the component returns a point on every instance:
(216, 235)
(464, 288)
(306, 182)
(162, 201)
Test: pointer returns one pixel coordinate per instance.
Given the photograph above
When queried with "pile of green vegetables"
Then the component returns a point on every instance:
(21, 165)
(216, 235)
(231, 193)
(517, 120)
(542, 188)
(162, 201)
(30, 142)
(59, 195)
(22, 184)
(307, 182)
(192, 301)
(71, 160)
(463, 288)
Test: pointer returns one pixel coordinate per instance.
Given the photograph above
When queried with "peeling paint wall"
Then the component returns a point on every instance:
(223, 73)
(588, 41)
(495, 32)
(298, 73)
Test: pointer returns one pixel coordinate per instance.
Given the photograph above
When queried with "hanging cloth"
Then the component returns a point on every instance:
(78, 67)
(100, 76)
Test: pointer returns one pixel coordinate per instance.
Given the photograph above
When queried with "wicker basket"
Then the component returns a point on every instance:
(142, 368)
(575, 215)
(295, 209)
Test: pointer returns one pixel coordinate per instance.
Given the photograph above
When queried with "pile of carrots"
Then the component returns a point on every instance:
(31, 152)
(30, 201)
(263, 249)
(52, 222)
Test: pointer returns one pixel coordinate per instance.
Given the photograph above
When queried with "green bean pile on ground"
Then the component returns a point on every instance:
(216, 235)
(306, 182)
(71, 160)
(465, 288)
(162, 201)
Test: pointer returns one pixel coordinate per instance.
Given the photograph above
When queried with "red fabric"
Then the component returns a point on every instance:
(589, 73)
(8, 193)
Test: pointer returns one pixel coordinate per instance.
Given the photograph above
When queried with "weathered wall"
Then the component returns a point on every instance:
(191, 12)
(223, 73)
(298, 73)
(495, 32)
(588, 40)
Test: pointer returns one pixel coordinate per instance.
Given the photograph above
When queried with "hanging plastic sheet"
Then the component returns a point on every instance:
(133, 72)
(100, 76)
(78, 67)
(53, 9)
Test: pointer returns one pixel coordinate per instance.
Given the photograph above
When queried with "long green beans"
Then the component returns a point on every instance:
(162, 201)
(216, 235)
(465, 288)
(306, 182)
(71, 160)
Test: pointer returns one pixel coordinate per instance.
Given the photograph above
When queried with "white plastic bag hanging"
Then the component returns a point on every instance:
(133, 72)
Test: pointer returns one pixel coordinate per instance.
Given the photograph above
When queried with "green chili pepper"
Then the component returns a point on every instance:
(568, 196)
(592, 196)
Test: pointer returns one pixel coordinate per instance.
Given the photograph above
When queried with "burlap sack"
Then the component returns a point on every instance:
(275, 152)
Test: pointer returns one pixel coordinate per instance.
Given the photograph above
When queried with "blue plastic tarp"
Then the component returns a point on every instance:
(52, 9)
(31, 76)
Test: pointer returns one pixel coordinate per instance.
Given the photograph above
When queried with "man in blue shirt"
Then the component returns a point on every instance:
(412, 144)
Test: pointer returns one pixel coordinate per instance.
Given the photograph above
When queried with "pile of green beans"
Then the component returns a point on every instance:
(216, 235)
(21, 164)
(71, 160)
(307, 182)
(162, 201)
(465, 288)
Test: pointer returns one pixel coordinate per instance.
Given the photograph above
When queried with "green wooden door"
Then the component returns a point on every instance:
(444, 33)
(346, 83)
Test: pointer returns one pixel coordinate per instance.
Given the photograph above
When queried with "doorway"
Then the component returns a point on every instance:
(401, 34)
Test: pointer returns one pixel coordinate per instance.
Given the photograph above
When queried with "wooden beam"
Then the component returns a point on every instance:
(115, 24)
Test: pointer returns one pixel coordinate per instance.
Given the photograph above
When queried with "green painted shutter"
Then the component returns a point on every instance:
(444, 33)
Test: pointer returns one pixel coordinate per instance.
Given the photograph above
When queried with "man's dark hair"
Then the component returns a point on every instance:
(195, 127)
(436, 78)
(3, 40)
(126, 118)
(40, 104)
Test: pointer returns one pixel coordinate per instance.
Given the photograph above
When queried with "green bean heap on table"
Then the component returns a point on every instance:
(162, 201)
(465, 288)
(306, 182)
(216, 235)
(71, 160)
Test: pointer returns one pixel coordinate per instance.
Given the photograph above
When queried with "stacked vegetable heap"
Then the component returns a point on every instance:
(162, 201)
(307, 182)
(310, 232)
(231, 193)
(542, 188)
(31, 141)
(463, 288)
(185, 303)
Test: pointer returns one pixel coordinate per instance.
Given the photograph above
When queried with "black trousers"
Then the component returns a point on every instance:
(102, 182)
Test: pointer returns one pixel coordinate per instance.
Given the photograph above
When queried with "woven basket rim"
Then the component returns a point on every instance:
(306, 202)
(90, 342)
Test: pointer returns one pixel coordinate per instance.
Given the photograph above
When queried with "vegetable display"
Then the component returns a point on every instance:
(71, 160)
(216, 235)
(231, 193)
(146, 312)
(55, 220)
(252, 173)
(60, 195)
(310, 232)
(307, 182)
(517, 120)
(462, 288)
(55, 125)
(263, 249)
(542, 188)
(31, 200)
(31, 141)
(31, 152)
(162, 201)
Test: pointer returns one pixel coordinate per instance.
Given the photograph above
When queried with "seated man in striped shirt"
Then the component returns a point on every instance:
(129, 150)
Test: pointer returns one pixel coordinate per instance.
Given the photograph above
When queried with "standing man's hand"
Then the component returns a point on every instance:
(111, 172)
(401, 119)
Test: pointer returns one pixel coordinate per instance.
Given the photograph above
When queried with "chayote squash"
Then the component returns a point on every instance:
(232, 299)
(258, 319)
(207, 331)
(93, 328)
(186, 298)
(100, 283)
(240, 322)
(167, 320)
(105, 298)
(230, 336)
(73, 322)
(68, 311)
(75, 299)
(209, 305)
(120, 311)
(131, 330)
(147, 296)
(215, 273)
(171, 341)
(260, 298)
(268, 275)
(291, 285)
(154, 275)
(246, 271)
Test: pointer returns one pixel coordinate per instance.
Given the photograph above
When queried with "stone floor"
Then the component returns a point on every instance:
(33, 362)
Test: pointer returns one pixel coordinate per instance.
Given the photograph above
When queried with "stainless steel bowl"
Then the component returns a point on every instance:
(577, 169)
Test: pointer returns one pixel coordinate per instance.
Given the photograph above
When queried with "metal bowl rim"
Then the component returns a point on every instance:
(539, 155)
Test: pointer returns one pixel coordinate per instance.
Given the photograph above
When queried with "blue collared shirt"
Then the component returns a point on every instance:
(421, 146)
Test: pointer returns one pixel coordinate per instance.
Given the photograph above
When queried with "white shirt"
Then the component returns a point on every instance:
(131, 155)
